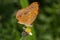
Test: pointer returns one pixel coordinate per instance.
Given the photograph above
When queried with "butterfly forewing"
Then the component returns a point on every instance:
(27, 15)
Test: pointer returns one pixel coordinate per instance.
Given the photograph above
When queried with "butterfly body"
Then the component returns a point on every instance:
(27, 15)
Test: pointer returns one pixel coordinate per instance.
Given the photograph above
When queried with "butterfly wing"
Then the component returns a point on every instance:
(19, 14)
(28, 15)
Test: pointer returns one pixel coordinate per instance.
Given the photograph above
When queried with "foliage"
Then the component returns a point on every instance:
(46, 26)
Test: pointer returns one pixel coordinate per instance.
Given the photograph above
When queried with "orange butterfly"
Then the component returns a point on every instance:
(27, 15)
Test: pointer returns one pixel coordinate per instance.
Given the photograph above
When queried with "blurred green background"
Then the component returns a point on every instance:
(46, 25)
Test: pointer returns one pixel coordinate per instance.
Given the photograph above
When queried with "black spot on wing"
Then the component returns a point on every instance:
(26, 11)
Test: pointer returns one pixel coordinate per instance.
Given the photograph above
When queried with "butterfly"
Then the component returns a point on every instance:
(26, 16)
